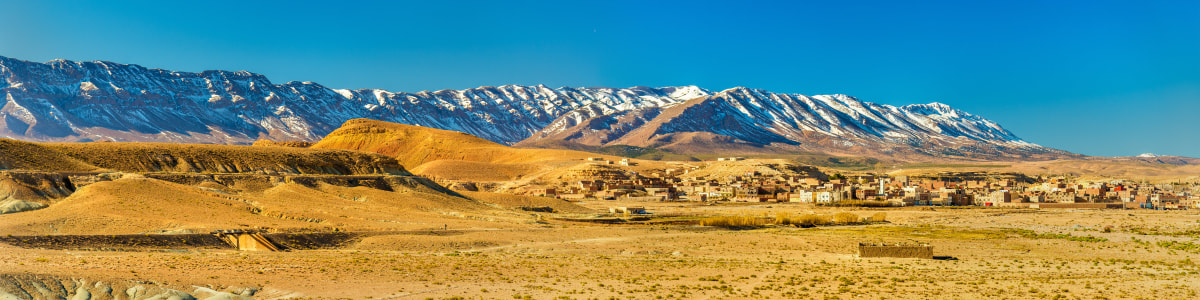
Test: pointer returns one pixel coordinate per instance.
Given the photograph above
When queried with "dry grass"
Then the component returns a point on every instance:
(878, 217)
(806, 220)
(681, 262)
(733, 221)
(846, 218)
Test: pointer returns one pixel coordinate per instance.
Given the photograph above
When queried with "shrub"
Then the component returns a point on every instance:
(1183, 246)
(815, 219)
(879, 217)
(845, 218)
(733, 221)
(803, 220)
(1030, 234)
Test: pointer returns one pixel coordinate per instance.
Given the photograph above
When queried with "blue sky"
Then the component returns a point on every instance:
(1106, 78)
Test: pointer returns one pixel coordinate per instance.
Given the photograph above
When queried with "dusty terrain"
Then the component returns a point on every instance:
(135, 221)
(981, 253)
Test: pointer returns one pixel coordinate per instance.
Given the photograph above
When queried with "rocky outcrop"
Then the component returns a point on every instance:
(48, 287)
(29, 190)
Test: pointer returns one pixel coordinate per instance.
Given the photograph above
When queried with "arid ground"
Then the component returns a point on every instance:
(381, 211)
(979, 253)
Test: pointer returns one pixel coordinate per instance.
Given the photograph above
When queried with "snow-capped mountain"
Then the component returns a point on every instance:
(68, 101)
(65, 100)
(793, 122)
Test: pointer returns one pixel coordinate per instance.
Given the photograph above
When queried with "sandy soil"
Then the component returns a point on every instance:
(982, 253)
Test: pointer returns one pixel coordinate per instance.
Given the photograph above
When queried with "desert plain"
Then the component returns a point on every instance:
(979, 253)
(379, 211)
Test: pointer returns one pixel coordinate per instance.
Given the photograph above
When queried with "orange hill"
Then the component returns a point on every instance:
(135, 205)
(448, 154)
(129, 188)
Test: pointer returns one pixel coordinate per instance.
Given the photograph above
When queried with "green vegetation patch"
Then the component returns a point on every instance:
(1030, 234)
(1154, 231)
(1181, 246)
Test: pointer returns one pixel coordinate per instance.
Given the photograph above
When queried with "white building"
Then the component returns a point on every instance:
(828, 197)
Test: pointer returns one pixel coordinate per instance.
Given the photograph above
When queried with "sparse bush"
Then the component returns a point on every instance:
(803, 220)
(878, 217)
(1030, 234)
(1182, 246)
(733, 221)
(845, 218)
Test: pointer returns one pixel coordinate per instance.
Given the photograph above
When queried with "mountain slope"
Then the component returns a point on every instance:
(66, 101)
(757, 121)
(72, 101)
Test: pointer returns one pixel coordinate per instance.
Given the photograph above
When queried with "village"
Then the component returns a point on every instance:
(872, 189)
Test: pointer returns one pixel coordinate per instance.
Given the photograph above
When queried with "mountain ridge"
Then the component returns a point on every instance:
(793, 123)
(67, 101)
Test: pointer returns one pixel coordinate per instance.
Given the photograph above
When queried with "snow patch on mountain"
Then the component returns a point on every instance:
(64, 100)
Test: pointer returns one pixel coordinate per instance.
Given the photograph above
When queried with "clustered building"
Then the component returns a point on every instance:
(882, 190)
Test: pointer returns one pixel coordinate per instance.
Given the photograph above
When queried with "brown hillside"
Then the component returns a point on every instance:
(197, 158)
(135, 204)
(30, 156)
(448, 154)
(415, 145)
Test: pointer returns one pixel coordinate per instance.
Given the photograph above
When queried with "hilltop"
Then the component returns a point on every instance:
(449, 154)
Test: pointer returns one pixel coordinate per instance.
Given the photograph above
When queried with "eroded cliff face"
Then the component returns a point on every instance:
(26, 190)
(34, 175)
